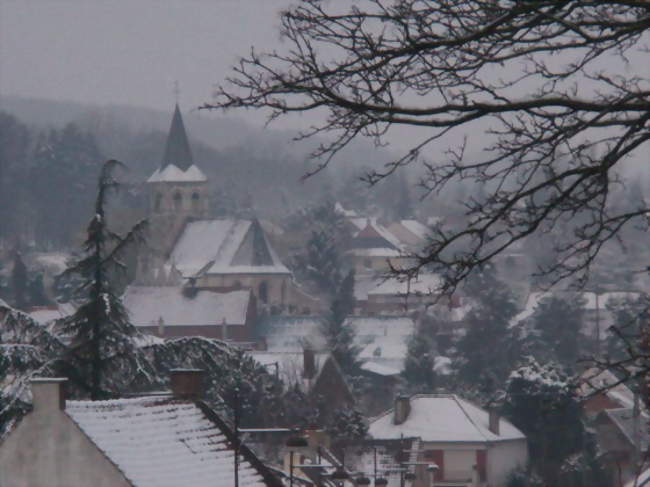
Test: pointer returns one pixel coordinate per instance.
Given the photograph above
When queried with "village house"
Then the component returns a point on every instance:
(165, 440)
(317, 375)
(374, 249)
(175, 311)
(462, 444)
(620, 421)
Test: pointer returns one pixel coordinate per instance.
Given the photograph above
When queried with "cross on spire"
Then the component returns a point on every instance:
(177, 91)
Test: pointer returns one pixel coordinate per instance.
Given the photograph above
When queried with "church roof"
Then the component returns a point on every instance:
(172, 174)
(177, 147)
(225, 247)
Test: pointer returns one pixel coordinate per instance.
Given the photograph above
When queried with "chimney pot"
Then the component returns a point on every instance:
(187, 383)
(402, 409)
(308, 363)
(48, 392)
(494, 420)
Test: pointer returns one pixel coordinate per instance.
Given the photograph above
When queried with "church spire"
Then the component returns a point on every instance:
(177, 148)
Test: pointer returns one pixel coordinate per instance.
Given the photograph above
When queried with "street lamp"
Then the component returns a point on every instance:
(432, 469)
(295, 442)
(340, 475)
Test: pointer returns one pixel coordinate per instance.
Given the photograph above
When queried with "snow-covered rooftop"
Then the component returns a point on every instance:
(443, 418)
(224, 247)
(148, 305)
(595, 380)
(625, 421)
(289, 365)
(45, 314)
(173, 174)
(367, 328)
(292, 333)
(162, 442)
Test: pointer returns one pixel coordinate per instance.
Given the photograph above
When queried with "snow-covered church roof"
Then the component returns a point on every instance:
(443, 418)
(159, 441)
(225, 247)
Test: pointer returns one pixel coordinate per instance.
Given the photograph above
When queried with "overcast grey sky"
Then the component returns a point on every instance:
(128, 51)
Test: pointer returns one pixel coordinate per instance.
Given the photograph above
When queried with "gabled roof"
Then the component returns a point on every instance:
(148, 305)
(596, 380)
(443, 418)
(375, 236)
(225, 247)
(163, 442)
(623, 419)
(177, 147)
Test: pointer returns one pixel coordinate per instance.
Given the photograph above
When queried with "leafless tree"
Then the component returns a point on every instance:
(554, 87)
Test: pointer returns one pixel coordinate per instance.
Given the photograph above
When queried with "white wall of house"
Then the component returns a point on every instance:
(48, 449)
(502, 458)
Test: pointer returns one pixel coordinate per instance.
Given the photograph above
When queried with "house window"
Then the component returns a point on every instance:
(263, 292)
(367, 263)
(158, 202)
(195, 201)
(178, 201)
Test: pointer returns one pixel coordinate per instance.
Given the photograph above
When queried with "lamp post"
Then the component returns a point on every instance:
(432, 469)
(294, 443)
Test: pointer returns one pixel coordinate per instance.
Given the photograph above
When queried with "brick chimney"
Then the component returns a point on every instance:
(402, 409)
(48, 393)
(494, 420)
(308, 363)
(186, 383)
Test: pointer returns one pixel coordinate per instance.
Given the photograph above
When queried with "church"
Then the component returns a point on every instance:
(197, 254)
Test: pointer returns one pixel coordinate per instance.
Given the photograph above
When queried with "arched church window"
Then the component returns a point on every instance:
(263, 292)
(158, 202)
(178, 201)
(195, 201)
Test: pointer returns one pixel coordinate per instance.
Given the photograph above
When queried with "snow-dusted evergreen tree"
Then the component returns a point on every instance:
(542, 402)
(102, 358)
(487, 351)
(347, 425)
(27, 349)
(557, 323)
(419, 363)
(321, 263)
(339, 336)
(19, 281)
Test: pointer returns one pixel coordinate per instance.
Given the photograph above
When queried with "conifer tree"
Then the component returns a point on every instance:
(418, 365)
(19, 281)
(99, 332)
(340, 338)
(487, 350)
(558, 323)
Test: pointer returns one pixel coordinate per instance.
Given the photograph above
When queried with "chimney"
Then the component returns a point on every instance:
(308, 363)
(402, 409)
(186, 383)
(48, 393)
(494, 420)
(224, 330)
